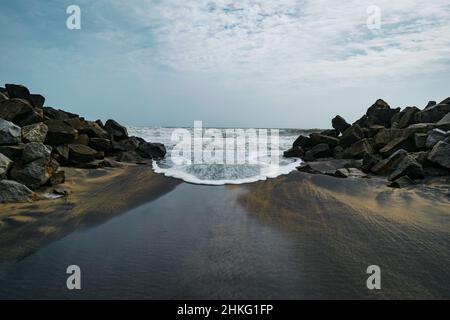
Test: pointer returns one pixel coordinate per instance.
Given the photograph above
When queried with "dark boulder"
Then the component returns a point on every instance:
(369, 161)
(388, 165)
(100, 144)
(408, 118)
(440, 154)
(130, 157)
(432, 114)
(351, 135)
(330, 133)
(35, 150)
(434, 136)
(17, 91)
(14, 152)
(444, 123)
(317, 138)
(127, 144)
(33, 174)
(152, 150)
(295, 152)
(430, 104)
(359, 149)
(21, 112)
(407, 167)
(115, 130)
(349, 173)
(406, 143)
(339, 124)
(59, 133)
(82, 139)
(5, 165)
(37, 100)
(54, 114)
(35, 132)
(61, 153)
(3, 97)
(13, 191)
(9, 133)
(402, 182)
(81, 153)
(90, 128)
(302, 141)
(384, 136)
(420, 139)
(319, 151)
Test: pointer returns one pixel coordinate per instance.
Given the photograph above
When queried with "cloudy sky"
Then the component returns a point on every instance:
(252, 63)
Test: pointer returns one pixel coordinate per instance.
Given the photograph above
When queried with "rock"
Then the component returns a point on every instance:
(17, 91)
(12, 152)
(446, 101)
(433, 114)
(408, 117)
(37, 100)
(5, 165)
(430, 104)
(388, 165)
(330, 133)
(62, 153)
(436, 172)
(374, 130)
(151, 150)
(349, 173)
(406, 143)
(127, 144)
(384, 136)
(402, 182)
(317, 138)
(117, 131)
(12, 191)
(35, 150)
(434, 136)
(82, 139)
(35, 132)
(339, 124)
(407, 167)
(338, 152)
(100, 144)
(317, 152)
(380, 104)
(351, 135)
(303, 142)
(418, 128)
(420, 139)
(53, 114)
(58, 177)
(130, 156)
(3, 97)
(444, 123)
(20, 112)
(382, 116)
(420, 157)
(369, 161)
(59, 133)
(295, 152)
(329, 167)
(440, 154)
(33, 174)
(100, 123)
(61, 191)
(359, 149)
(9, 133)
(89, 128)
(81, 153)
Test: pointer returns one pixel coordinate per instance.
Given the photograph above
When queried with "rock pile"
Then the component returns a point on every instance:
(404, 145)
(35, 140)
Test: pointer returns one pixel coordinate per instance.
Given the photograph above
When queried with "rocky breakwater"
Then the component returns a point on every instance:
(37, 141)
(406, 146)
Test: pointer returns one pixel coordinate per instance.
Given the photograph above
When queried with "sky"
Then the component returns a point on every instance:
(228, 63)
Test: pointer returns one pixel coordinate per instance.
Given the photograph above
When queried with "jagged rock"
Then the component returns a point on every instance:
(388, 165)
(339, 124)
(35, 150)
(127, 144)
(434, 136)
(444, 123)
(351, 135)
(35, 132)
(430, 104)
(317, 152)
(445, 101)
(17, 91)
(359, 149)
(406, 143)
(100, 123)
(9, 133)
(384, 136)
(433, 114)
(12, 152)
(81, 153)
(402, 182)
(420, 139)
(5, 165)
(13, 191)
(37, 100)
(349, 173)
(59, 133)
(33, 174)
(20, 112)
(82, 139)
(330, 133)
(295, 152)
(117, 131)
(100, 144)
(302, 141)
(130, 156)
(58, 177)
(317, 138)
(374, 130)
(381, 116)
(369, 161)
(440, 154)
(90, 128)
(53, 114)
(407, 167)
(151, 150)
(408, 117)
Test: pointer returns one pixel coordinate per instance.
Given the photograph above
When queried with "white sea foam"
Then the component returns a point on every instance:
(219, 174)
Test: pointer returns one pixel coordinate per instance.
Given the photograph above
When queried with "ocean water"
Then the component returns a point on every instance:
(258, 164)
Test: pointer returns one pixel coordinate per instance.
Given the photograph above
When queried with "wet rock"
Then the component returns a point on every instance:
(434, 136)
(100, 144)
(359, 149)
(13, 191)
(59, 133)
(35, 132)
(54, 114)
(295, 152)
(440, 154)
(339, 124)
(81, 153)
(20, 112)
(388, 165)
(9, 133)
(33, 174)
(5, 165)
(17, 91)
(117, 131)
(351, 135)
(407, 167)
(317, 138)
(152, 150)
(319, 151)
(406, 143)
(35, 150)
(402, 182)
